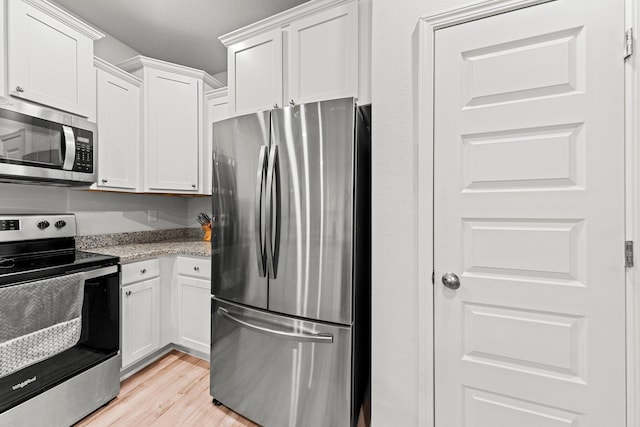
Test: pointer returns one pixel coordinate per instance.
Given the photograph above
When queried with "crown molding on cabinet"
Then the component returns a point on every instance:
(216, 93)
(279, 20)
(212, 81)
(65, 17)
(103, 65)
(140, 61)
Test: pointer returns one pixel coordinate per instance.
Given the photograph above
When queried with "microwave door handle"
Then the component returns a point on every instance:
(69, 148)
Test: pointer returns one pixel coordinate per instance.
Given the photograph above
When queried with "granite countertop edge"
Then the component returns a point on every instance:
(141, 251)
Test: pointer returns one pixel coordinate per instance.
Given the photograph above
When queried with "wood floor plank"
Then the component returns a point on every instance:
(173, 391)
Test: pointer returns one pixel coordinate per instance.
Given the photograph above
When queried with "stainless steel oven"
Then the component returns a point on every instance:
(46, 146)
(59, 317)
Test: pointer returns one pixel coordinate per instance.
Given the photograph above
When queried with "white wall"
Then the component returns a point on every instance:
(222, 77)
(196, 205)
(394, 192)
(97, 212)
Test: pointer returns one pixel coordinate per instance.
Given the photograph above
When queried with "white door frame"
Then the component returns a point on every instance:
(425, 114)
(632, 221)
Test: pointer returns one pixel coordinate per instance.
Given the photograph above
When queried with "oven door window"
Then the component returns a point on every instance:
(31, 141)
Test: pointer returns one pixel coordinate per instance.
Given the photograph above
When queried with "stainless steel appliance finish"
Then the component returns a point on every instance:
(70, 401)
(65, 382)
(300, 379)
(40, 145)
(15, 228)
(312, 268)
(239, 146)
(291, 206)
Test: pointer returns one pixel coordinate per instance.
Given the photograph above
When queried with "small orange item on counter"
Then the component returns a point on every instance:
(207, 232)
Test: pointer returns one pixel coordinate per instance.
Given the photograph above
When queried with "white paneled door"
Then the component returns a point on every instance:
(529, 215)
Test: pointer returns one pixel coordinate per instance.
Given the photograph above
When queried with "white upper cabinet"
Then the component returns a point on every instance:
(323, 55)
(50, 57)
(173, 105)
(316, 51)
(217, 109)
(217, 105)
(172, 134)
(118, 119)
(255, 67)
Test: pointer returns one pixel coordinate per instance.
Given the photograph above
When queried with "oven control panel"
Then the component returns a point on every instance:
(9, 225)
(36, 226)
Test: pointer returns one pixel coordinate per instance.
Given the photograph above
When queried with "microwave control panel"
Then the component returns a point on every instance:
(84, 151)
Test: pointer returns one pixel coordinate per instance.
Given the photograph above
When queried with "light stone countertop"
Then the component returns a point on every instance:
(139, 251)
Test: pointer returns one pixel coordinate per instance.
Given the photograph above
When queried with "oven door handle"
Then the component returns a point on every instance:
(105, 271)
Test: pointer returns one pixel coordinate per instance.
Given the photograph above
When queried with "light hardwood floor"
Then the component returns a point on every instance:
(173, 391)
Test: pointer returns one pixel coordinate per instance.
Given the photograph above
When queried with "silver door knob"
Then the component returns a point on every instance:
(450, 280)
(19, 89)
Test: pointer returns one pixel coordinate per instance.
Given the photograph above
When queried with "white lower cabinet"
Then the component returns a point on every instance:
(140, 296)
(192, 303)
(165, 302)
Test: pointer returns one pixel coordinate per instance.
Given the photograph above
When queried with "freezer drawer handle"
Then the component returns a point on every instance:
(320, 338)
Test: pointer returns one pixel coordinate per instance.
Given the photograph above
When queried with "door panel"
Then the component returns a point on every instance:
(529, 213)
(236, 147)
(314, 263)
(279, 381)
(172, 141)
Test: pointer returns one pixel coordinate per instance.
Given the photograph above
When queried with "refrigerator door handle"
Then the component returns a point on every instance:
(260, 244)
(273, 240)
(318, 338)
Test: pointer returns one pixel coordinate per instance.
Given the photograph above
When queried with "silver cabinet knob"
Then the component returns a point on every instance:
(19, 89)
(275, 105)
(127, 293)
(104, 181)
(196, 268)
(450, 280)
(292, 102)
(144, 270)
(193, 186)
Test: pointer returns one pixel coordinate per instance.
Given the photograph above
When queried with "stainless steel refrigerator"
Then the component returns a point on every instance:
(291, 264)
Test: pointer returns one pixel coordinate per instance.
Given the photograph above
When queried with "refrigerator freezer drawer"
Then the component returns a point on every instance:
(279, 371)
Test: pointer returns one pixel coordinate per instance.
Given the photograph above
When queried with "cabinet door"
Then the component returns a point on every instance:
(217, 109)
(172, 131)
(193, 298)
(255, 73)
(323, 55)
(49, 62)
(140, 320)
(118, 116)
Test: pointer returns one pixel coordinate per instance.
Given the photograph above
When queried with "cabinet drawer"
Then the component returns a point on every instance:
(141, 270)
(196, 267)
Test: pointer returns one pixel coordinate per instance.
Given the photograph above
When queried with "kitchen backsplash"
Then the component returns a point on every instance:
(99, 213)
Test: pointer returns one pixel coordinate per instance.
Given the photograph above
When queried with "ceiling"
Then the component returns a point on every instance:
(181, 31)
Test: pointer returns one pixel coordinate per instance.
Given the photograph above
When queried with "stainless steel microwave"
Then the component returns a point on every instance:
(39, 145)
